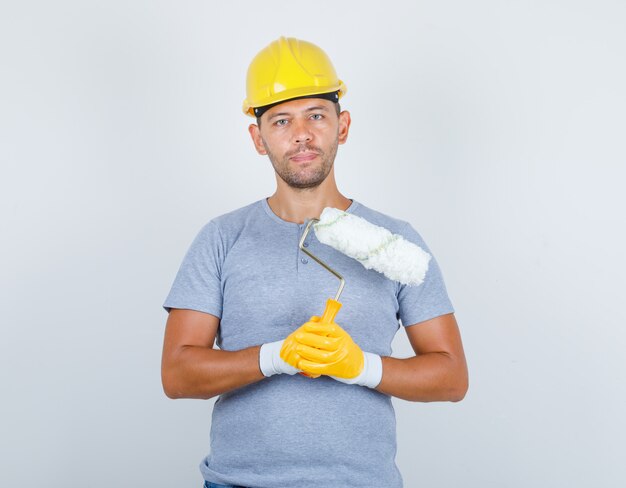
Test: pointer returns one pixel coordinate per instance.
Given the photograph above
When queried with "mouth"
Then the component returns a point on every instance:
(303, 157)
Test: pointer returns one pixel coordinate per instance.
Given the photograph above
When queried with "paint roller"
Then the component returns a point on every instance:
(373, 246)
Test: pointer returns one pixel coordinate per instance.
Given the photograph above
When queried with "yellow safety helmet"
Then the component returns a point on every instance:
(289, 68)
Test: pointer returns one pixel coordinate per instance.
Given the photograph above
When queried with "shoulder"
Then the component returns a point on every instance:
(393, 224)
(237, 217)
(227, 227)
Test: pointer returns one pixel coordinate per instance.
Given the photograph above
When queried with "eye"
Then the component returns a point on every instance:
(317, 116)
(281, 122)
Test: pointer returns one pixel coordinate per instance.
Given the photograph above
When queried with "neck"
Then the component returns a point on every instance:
(297, 205)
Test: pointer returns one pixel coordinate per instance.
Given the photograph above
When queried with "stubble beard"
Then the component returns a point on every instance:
(304, 177)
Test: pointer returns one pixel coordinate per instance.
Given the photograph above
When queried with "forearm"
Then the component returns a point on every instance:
(203, 372)
(427, 377)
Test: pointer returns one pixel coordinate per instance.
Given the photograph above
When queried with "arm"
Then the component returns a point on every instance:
(191, 368)
(437, 372)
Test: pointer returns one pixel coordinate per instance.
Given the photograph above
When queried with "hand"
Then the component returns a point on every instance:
(328, 349)
(270, 361)
(325, 348)
(288, 352)
(371, 375)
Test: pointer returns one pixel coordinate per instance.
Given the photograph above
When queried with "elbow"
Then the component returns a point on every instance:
(457, 395)
(170, 386)
(173, 382)
(171, 394)
(175, 386)
(459, 390)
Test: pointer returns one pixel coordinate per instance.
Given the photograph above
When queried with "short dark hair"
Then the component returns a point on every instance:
(337, 109)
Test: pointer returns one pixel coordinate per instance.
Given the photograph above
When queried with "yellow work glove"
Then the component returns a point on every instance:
(325, 348)
(288, 351)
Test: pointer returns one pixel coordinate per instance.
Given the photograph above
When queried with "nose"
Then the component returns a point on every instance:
(301, 132)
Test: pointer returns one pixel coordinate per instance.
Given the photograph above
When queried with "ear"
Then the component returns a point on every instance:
(344, 126)
(255, 133)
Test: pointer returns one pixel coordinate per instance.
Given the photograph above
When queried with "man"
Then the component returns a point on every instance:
(245, 282)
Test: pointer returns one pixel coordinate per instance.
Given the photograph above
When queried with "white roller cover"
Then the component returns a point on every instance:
(373, 246)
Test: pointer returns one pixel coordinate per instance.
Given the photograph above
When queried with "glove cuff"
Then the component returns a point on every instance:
(370, 376)
(372, 373)
(270, 362)
(266, 358)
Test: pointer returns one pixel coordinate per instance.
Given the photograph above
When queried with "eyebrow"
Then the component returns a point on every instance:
(310, 109)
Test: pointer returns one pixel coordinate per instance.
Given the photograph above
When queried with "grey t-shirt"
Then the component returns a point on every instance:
(245, 267)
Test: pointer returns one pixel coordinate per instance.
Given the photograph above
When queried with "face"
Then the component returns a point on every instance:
(301, 138)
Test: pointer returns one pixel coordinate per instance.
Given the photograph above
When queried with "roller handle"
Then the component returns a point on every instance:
(332, 308)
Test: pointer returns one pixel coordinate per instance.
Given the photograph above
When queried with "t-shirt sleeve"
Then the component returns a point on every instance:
(428, 300)
(197, 285)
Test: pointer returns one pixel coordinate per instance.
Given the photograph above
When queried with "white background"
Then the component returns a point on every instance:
(496, 128)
